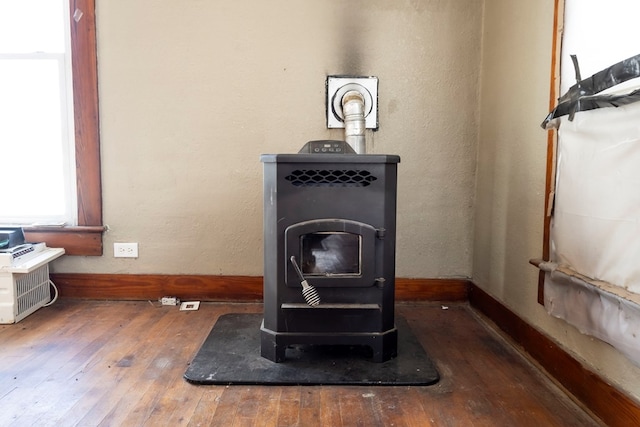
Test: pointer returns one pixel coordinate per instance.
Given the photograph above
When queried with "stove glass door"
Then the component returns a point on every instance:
(331, 253)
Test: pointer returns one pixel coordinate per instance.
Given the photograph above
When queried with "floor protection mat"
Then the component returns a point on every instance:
(231, 355)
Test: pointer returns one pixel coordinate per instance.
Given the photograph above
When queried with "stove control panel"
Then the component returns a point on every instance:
(326, 147)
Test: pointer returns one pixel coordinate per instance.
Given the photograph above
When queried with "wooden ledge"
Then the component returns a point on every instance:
(77, 240)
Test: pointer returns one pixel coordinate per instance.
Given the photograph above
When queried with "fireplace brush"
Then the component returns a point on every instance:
(308, 292)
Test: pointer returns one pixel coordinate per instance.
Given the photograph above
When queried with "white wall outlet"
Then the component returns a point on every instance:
(125, 250)
(169, 301)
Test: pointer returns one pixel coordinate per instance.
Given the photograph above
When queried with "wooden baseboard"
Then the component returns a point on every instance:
(432, 289)
(223, 288)
(154, 286)
(605, 401)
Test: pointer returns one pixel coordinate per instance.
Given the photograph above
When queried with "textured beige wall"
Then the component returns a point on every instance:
(509, 209)
(192, 92)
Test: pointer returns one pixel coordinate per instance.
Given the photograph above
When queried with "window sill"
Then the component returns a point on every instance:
(79, 240)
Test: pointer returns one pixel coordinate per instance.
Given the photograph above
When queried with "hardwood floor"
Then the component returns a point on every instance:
(97, 363)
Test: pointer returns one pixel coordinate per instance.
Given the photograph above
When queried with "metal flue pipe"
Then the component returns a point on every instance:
(354, 124)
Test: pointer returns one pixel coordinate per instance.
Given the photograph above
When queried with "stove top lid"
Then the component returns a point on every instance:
(329, 151)
(330, 158)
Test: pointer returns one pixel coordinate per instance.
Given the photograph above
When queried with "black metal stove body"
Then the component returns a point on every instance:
(336, 215)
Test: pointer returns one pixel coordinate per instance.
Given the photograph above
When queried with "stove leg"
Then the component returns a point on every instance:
(275, 354)
(385, 347)
(269, 349)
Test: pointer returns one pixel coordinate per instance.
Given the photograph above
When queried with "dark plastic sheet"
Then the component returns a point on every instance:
(585, 95)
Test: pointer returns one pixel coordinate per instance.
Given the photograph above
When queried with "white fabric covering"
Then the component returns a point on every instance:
(596, 220)
(594, 312)
(595, 229)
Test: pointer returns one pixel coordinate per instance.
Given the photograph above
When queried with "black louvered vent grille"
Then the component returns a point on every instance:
(330, 178)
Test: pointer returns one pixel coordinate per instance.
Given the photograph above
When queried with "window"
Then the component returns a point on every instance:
(591, 277)
(599, 34)
(36, 113)
(85, 236)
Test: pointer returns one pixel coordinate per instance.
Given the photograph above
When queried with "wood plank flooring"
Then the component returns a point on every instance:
(101, 363)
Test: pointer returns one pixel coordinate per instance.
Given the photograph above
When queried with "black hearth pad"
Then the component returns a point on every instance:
(231, 355)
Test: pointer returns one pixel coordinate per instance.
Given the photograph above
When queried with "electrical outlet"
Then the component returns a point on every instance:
(125, 250)
(169, 301)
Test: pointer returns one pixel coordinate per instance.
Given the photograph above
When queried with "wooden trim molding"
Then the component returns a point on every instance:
(223, 288)
(552, 137)
(608, 403)
(87, 121)
(432, 289)
(86, 238)
(154, 286)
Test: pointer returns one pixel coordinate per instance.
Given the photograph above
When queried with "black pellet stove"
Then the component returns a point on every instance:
(332, 213)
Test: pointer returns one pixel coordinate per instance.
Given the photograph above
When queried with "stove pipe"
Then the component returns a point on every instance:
(354, 124)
